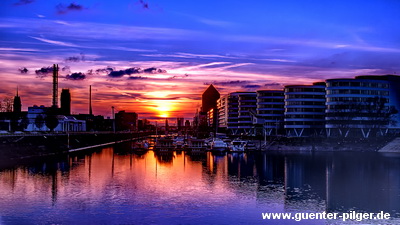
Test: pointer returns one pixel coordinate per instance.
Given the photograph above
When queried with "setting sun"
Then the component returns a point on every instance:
(163, 108)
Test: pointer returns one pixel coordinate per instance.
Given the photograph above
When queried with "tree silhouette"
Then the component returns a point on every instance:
(39, 121)
(24, 123)
(6, 105)
(370, 116)
(51, 122)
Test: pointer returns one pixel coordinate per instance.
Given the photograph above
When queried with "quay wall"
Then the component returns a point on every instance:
(327, 144)
(28, 145)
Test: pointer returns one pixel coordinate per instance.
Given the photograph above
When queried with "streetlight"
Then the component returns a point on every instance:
(113, 117)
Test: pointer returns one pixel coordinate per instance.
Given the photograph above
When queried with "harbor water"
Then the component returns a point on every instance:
(114, 185)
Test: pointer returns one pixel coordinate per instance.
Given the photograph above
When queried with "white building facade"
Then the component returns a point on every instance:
(305, 110)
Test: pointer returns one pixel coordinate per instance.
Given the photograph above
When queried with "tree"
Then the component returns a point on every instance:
(39, 121)
(6, 105)
(378, 115)
(51, 121)
(24, 123)
(370, 116)
(343, 115)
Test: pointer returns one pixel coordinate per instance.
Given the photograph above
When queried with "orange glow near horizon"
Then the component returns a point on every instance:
(163, 108)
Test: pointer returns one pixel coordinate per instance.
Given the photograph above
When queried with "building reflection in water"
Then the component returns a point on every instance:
(370, 183)
(118, 178)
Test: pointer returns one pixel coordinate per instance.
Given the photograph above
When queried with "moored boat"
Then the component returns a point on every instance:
(140, 145)
(238, 145)
(179, 142)
(250, 146)
(196, 145)
(218, 145)
(165, 144)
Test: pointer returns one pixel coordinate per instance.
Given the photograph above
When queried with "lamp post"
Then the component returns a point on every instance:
(113, 117)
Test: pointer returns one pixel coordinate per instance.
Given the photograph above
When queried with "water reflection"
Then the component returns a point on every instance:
(115, 185)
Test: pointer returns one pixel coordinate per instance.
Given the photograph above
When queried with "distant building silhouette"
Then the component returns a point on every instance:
(143, 125)
(55, 86)
(209, 99)
(166, 125)
(17, 104)
(65, 102)
(90, 100)
(180, 123)
(126, 121)
(187, 124)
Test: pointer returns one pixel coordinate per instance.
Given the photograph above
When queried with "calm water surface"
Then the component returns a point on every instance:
(115, 186)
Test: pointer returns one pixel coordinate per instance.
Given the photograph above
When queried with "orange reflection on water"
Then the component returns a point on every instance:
(86, 181)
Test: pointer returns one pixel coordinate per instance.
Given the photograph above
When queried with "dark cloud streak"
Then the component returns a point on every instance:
(137, 78)
(24, 2)
(252, 86)
(23, 70)
(62, 9)
(274, 84)
(76, 76)
(144, 4)
(134, 70)
(76, 58)
(44, 71)
(228, 83)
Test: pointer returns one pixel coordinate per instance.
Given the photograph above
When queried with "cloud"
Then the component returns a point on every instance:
(73, 59)
(357, 60)
(154, 70)
(183, 76)
(99, 31)
(144, 4)
(279, 60)
(251, 86)
(120, 73)
(62, 22)
(137, 78)
(76, 58)
(107, 70)
(228, 83)
(55, 42)
(309, 43)
(24, 2)
(135, 70)
(212, 22)
(44, 71)
(20, 49)
(66, 68)
(76, 76)
(62, 9)
(273, 85)
(23, 70)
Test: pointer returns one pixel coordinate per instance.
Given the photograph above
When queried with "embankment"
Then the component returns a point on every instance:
(24, 146)
(327, 144)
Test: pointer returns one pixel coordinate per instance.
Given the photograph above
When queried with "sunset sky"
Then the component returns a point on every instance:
(156, 57)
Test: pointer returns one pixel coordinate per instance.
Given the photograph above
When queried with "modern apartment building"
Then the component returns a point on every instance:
(270, 110)
(337, 107)
(240, 105)
(360, 106)
(305, 110)
(222, 106)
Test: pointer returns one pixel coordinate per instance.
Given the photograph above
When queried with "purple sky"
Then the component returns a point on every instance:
(157, 57)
